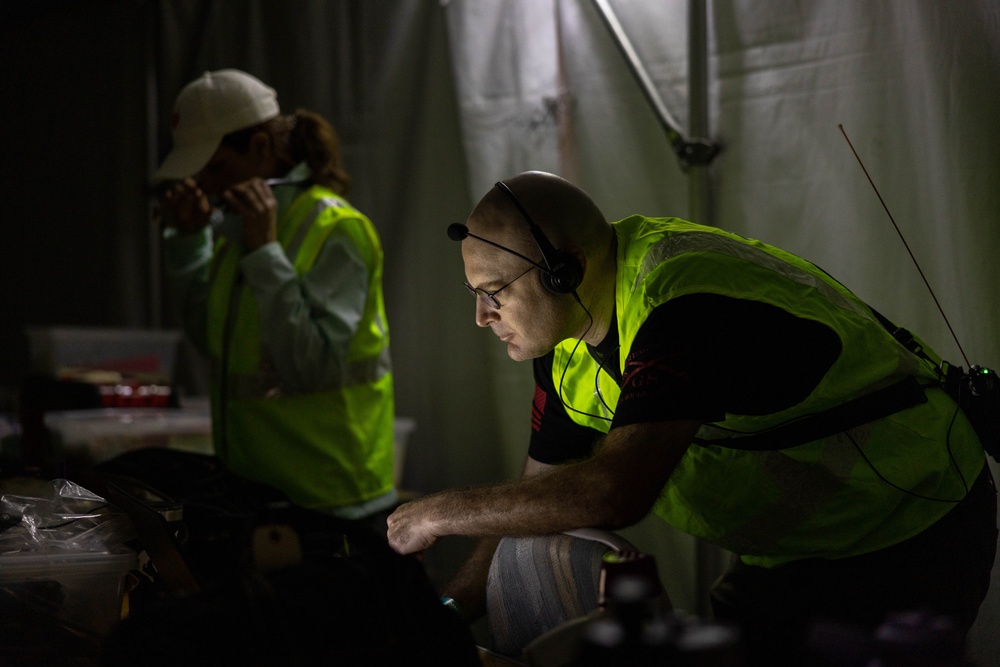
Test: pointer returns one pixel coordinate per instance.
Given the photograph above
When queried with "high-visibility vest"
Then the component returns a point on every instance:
(324, 449)
(824, 497)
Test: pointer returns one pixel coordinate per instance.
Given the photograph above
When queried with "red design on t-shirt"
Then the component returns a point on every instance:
(537, 408)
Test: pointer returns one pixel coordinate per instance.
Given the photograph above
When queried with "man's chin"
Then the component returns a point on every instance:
(518, 353)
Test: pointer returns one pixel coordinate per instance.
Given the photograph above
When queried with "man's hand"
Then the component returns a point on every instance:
(410, 528)
(186, 206)
(254, 201)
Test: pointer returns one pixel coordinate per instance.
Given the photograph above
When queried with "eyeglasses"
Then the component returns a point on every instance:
(490, 298)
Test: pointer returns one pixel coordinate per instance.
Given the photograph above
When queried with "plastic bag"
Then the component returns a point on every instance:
(69, 519)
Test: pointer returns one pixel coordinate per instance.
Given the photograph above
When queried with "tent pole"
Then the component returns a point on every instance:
(698, 115)
(691, 149)
(710, 561)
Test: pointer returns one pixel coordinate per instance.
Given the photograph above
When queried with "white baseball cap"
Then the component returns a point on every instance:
(209, 108)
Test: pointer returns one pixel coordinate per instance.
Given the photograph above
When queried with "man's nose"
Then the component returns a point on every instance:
(485, 314)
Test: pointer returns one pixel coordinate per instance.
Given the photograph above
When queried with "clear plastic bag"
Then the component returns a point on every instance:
(64, 564)
(69, 518)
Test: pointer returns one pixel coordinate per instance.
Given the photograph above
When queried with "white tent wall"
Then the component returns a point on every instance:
(435, 100)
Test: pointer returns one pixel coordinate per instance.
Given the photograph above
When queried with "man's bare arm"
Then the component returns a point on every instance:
(614, 488)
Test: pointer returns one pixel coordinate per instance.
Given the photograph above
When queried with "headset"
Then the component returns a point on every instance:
(560, 272)
(564, 272)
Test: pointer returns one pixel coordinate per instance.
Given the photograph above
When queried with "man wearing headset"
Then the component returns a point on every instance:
(738, 392)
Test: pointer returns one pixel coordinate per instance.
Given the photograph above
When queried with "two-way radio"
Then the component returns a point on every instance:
(977, 391)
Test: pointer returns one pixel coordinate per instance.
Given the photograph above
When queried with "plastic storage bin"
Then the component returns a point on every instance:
(87, 437)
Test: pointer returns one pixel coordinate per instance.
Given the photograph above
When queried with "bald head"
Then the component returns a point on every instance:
(565, 213)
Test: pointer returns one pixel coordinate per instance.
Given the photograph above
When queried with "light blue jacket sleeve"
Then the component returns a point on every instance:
(307, 322)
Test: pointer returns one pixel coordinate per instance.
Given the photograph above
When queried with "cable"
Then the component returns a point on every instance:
(597, 379)
(562, 377)
(951, 456)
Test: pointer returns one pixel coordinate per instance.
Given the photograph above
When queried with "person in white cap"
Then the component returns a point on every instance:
(279, 282)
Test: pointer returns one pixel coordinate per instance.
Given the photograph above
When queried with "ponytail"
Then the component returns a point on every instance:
(304, 136)
(312, 139)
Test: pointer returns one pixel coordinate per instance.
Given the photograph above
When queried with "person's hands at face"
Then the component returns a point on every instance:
(254, 201)
(233, 176)
(186, 206)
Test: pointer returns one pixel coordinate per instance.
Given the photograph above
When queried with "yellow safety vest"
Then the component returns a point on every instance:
(325, 449)
(817, 499)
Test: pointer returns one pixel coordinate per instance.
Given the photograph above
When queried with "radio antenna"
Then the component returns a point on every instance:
(905, 244)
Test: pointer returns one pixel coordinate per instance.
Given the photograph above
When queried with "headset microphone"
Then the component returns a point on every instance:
(457, 231)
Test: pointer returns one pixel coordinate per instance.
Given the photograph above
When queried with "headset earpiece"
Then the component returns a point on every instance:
(564, 272)
(564, 276)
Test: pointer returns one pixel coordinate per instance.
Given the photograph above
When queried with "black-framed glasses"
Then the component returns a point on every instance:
(490, 298)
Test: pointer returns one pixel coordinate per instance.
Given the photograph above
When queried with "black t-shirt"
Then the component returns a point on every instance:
(697, 357)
